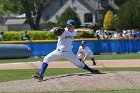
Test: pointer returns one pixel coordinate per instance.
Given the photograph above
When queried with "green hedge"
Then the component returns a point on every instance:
(85, 35)
(38, 35)
(34, 35)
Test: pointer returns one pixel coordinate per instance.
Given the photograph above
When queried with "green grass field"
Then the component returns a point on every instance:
(11, 75)
(97, 57)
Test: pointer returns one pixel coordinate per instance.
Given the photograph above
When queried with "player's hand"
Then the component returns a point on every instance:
(57, 31)
(83, 60)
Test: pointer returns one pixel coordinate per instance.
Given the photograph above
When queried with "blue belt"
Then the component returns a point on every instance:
(62, 51)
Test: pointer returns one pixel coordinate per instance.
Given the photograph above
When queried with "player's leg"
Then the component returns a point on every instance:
(94, 63)
(92, 58)
(74, 59)
(80, 56)
(55, 55)
(50, 57)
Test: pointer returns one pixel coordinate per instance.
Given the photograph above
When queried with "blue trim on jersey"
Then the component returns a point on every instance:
(69, 37)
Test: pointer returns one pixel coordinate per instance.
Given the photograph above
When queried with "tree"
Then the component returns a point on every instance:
(33, 7)
(120, 2)
(128, 17)
(29, 7)
(69, 13)
(109, 20)
(10, 6)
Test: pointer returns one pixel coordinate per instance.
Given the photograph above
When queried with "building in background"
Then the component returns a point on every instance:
(89, 11)
(17, 24)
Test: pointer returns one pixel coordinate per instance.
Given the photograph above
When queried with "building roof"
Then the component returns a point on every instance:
(113, 5)
(97, 6)
(94, 5)
(21, 16)
(15, 21)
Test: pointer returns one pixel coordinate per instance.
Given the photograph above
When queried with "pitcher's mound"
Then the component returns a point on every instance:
(76, 82)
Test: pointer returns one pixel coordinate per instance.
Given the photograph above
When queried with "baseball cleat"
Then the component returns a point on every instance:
(94, 63)
(95, 71)
(38, 77)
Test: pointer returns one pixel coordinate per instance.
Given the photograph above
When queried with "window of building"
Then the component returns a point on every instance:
(104, 2)
(100, 16)
(46, 18)
(88, 17)
(74, 4)
(73, 1)
(61, 3)
(57, 17)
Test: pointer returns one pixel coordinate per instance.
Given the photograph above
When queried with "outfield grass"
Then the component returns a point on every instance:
(11, 75)
(118, 56)
(97, 57)
(20, 60)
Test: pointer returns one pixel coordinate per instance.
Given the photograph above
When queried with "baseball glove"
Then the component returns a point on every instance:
(58, 31)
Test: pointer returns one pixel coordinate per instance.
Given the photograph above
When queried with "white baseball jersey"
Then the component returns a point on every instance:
(84, 52)
(65, 41)
(64, 49)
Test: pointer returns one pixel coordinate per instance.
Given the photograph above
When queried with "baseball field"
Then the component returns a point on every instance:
(120, 74)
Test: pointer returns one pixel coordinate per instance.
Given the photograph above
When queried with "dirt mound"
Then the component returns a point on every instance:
(76, 82)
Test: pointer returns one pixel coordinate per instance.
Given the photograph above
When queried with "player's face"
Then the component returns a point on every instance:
(70, 28)
(83, 45)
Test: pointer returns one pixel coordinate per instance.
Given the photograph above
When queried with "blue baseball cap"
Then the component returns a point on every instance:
(71, 22)
(83, 42)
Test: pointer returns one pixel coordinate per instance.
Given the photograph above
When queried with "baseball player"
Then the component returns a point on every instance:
(64, 50)
(85, 52)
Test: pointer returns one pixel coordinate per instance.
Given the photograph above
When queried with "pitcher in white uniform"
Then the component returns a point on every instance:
(84, 52)
(64, 50)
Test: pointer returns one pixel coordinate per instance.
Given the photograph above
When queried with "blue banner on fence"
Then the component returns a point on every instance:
(42, 48)
(97, 46)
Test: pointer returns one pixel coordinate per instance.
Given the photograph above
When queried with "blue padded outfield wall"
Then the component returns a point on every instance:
(43, 47)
